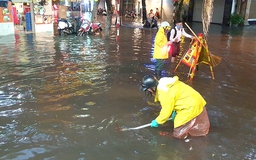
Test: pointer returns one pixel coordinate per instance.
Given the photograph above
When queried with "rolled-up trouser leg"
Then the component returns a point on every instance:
(198, 126)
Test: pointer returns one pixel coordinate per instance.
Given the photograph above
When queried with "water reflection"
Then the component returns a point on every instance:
(41, 74)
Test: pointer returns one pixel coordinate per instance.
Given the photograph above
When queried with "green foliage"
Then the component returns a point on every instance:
(236, 19)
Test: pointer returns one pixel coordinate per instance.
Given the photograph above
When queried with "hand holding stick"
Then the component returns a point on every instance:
(136, 128)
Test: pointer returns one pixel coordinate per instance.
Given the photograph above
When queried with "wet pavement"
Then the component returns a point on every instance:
(63, 97)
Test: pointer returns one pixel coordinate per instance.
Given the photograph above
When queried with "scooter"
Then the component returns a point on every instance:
(89, 28)
(130, 14)
(65, 27)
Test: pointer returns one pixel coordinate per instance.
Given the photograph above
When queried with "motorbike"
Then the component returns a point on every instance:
(88, 27)
(65, 27)
(130, 14)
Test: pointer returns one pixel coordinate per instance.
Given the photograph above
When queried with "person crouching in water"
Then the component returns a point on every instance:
(181, 102)
(160, 47)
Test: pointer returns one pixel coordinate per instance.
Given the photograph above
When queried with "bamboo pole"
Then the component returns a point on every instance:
(194, 33)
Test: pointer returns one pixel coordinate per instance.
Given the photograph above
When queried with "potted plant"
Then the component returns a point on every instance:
(236, 19)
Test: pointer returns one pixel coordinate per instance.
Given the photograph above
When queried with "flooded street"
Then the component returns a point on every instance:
(63, 98)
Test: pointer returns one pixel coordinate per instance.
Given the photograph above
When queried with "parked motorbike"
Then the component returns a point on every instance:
(65, 27)
(88, 27)
(130, 14)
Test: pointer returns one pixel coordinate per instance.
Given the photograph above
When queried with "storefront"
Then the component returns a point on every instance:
(43, 13)
(36, 16)
(6, 18)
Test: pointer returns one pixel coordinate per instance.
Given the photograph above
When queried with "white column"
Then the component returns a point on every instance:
(32, 16)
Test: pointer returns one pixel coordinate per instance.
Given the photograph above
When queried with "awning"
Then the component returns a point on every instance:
(4, 3)
(21, 1)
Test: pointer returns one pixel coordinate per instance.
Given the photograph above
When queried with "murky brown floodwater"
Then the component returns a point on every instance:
(61, 97)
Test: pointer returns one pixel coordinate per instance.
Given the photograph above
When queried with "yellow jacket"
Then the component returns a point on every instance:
(160, 41)
(176, 95)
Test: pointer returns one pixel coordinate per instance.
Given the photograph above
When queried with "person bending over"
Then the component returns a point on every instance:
(181, 102)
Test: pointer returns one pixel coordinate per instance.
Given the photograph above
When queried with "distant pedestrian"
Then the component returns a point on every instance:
(157, 14)
(175, 38)
(151, 14)
(24, 26)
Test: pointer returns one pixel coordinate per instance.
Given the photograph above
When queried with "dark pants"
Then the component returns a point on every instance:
(159, 67)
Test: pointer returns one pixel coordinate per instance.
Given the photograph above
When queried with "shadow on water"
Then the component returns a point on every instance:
(61, 97)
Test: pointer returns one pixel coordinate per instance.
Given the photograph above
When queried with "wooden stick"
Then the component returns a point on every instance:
(194, 34)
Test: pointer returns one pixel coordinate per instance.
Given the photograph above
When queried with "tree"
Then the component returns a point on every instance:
(109, 19)
(95, 9)
(207, 12)
(178, 8)
(144, 11)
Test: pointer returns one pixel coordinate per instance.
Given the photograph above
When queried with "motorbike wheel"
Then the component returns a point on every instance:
(80, 33)
(62, 33)
(71, 31)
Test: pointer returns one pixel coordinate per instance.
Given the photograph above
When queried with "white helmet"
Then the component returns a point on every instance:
(165, 24)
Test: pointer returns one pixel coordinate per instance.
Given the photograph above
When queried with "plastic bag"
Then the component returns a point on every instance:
(198, 126)
(170, 50)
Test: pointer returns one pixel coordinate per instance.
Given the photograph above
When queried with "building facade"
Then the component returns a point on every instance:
(193, 10)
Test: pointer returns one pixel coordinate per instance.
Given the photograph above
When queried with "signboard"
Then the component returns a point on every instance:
(62, 12)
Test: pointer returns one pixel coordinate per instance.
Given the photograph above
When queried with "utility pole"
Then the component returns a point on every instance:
(32, 16)
(144, 11)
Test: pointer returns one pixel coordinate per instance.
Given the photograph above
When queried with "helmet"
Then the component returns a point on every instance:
(165, 24)
(148, 81)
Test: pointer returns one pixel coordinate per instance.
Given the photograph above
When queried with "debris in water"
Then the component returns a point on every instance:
(103, 120)
(84, 109)
(92, 126)
(105, 142)
(117, 127)
(82, 115)
(190, 148)
(90, 103)
(224, 154)
(187, 140)
(110, 122)
(163, 133)
(136, 152)
(99, 128)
